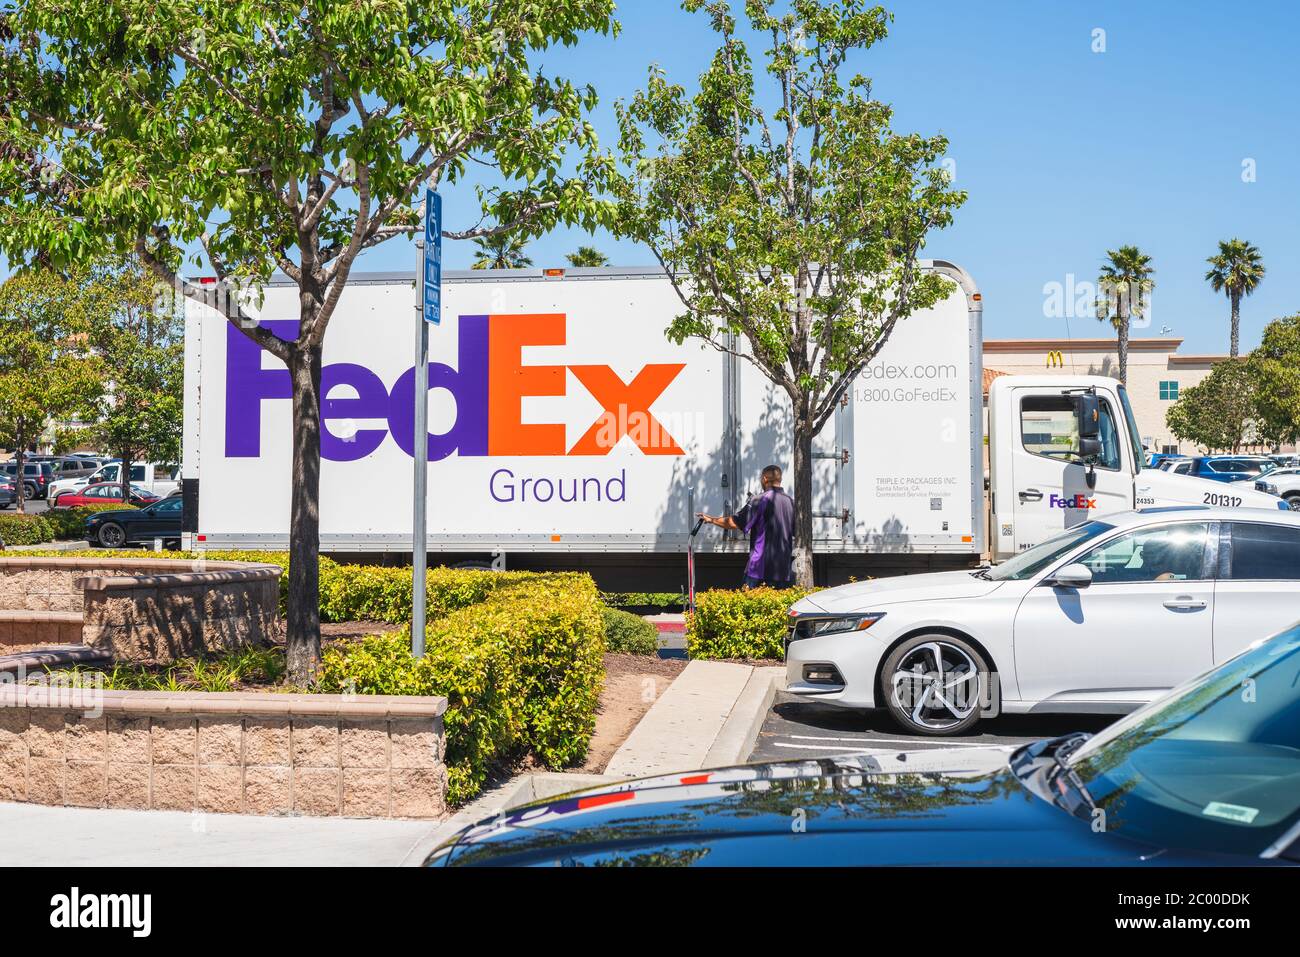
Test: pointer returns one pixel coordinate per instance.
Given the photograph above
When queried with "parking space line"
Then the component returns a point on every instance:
(926, 742)
(826, 747)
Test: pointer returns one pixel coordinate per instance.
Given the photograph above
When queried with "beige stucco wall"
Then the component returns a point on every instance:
(1149, 363)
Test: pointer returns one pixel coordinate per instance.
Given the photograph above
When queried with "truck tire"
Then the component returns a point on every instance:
(936, 685)
(1293, 499)
(111, 535)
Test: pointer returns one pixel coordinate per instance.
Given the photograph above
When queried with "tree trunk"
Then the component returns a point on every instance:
(303, 625)
(803, 502)
(1234, 347)
(1122, 329)
(20, 483)
(125, 477)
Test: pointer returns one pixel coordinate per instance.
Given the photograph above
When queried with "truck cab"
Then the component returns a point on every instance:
(1064, 452)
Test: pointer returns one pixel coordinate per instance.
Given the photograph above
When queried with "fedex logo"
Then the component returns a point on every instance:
(489, 383)
(1074, 501)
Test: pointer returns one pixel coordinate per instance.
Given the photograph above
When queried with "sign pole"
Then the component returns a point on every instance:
(428, 310)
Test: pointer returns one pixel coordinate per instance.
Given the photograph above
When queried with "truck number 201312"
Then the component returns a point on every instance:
(1218, 498)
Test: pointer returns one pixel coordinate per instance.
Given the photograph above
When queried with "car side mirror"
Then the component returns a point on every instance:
(1071, 576)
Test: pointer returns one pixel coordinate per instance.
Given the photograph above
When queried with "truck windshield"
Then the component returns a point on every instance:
(1033, 560)
(1139, 457)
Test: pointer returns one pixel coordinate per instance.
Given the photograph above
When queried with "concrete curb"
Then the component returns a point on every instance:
(736, 739)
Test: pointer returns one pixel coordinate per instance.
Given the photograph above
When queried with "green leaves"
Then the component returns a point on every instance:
(1219, 412)
(47, 370)
(1275, 369)
(798, 232)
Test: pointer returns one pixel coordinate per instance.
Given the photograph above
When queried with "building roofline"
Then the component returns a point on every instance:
(1078, 345)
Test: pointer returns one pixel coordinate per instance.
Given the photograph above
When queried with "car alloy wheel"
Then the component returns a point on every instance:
(936, 685)
(112, 535)
(29, 490)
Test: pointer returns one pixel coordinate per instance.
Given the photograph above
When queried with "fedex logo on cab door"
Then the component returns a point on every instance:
(489, 382)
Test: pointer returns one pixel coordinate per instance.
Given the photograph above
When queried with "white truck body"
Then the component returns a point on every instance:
(562, 421)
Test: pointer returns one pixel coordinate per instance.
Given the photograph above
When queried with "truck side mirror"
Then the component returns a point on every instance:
(1089, 448)
(1087, 409)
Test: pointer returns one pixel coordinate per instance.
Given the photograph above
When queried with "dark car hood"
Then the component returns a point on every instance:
(835, 811)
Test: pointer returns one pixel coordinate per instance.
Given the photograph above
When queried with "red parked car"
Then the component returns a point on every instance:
(103, 493)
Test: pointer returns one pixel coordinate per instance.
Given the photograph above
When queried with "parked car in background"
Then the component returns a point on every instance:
(1205, 775)
(1221, 468)
(156, 478)
(74, 467)
(7, 497)
(1284, 483)
(102, 493)
(1102, 618)
(114, 529)
(37, 477)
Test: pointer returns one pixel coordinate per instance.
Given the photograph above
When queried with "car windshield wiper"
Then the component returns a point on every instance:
(1063, 772)
(983, 573)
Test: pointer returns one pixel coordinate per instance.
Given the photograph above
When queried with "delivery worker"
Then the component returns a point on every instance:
(769, 519)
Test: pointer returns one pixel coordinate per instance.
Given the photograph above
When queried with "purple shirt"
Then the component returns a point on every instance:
(769, 520)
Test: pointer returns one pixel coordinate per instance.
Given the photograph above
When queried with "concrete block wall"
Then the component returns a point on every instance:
(238, 753)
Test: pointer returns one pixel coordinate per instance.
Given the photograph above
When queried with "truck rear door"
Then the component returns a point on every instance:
(1049, 486)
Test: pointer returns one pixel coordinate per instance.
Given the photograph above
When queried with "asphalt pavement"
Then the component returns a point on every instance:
(798, 728)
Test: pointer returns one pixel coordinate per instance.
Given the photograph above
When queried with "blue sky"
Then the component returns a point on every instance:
(1065, 152)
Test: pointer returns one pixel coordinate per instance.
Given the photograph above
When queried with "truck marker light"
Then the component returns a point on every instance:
(553, 273)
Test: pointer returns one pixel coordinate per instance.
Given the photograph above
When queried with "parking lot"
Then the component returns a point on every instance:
(799, 728)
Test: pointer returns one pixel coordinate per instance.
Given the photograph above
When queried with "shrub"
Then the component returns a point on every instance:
(21, 529)
(661, 600)
(521, 672)
(629, 633)
(741, 623)
(68, 523)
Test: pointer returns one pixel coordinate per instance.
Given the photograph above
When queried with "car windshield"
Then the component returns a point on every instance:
(1213, 765)
(1031, 561)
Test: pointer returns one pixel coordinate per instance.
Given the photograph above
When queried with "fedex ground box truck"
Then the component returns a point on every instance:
(566, 430)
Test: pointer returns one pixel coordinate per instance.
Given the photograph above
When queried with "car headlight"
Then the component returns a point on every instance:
(1266, 487)
(817, 626)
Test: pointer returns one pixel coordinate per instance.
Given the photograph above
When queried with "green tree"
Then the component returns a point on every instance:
(791, 239)
(46, 368)
(138, 329)
(1236, 271)
(1218, 413)
(1124, 294)
(588, 256)
(1275, 369)
(500, 251)
(250, 136)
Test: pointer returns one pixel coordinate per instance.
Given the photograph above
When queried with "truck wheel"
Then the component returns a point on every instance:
(936, 685)
(1293, 500)
(112, 535)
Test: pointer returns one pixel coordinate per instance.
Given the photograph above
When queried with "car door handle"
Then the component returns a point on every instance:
(1185, 603)
(1031, 495)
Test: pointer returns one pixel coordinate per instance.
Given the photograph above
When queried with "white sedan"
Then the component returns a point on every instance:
(1102, 618)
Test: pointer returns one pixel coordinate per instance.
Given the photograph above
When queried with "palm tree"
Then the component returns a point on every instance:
(1125, 289)
(587, 256)
(501, 251)
(1237, 270)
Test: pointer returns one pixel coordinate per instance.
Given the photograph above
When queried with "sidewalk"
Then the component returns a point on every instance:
(38, 836)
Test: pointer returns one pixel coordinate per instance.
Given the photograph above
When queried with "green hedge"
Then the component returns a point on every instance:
(662, 600)
(741, 623)
(629, 633)
(56, 524)
(521, 670)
